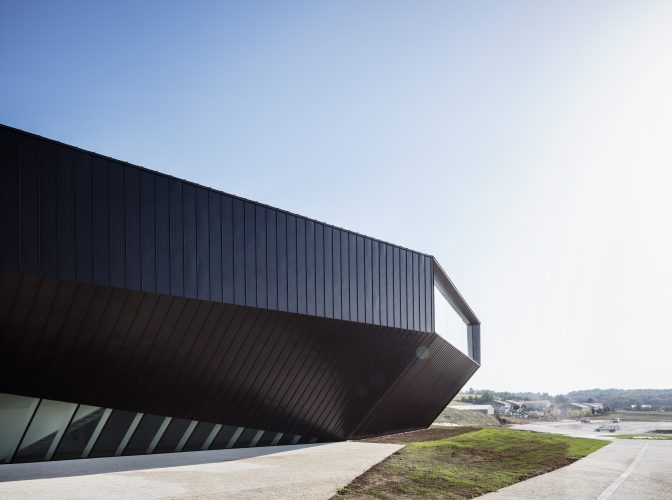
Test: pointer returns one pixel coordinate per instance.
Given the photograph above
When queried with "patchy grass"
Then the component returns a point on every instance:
(654, 436)
(643, 416)
(469, 465)
(431, 434)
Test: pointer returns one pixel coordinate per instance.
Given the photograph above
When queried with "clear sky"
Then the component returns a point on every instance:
(527, 145)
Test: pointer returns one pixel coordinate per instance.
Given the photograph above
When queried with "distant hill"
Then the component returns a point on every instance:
(625, 398)
(616, 399)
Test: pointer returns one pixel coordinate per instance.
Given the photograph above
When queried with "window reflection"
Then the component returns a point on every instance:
(447, 323)
(45, 431)
(15, 413)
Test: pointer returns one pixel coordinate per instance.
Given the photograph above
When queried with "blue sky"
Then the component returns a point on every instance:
(536, 135)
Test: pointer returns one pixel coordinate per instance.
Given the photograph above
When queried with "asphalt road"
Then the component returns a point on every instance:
(625, 469)
(301, 471)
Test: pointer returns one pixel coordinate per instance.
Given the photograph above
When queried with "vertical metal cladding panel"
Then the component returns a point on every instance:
(202, 244)
(9, 200)
(430, 276)
(283, 277)
(49, 212)
(429, 287)
(409, 289)
(368, 282)
(310, 268)
(190, 241)
(148, 231)
(239, 251)
(361, 281)
(301, 266)
(403, 303)
(117, 225)
(328, 273)
(352, 267)
(319, 270)
(66, 214)
(421, 275)
(345, 276)
(416, 291)
(162, 230)
(375, 280)
(29, 206)
(215, 245)
(336, 273)
(382, 263)
(101, 222)
(176, 238)
(271, 258)
(292, 289)
(84, 217)
(228, 272)
(250, 256)
(261, 249)
(132, 221)
(391, 309)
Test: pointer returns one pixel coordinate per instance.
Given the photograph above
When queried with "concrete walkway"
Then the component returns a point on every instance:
(301, 471)
(625, 469)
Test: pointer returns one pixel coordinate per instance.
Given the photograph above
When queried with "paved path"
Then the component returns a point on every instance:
(625, 469)
(302, 471)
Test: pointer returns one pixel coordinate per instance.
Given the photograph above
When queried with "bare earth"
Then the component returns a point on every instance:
(430, 434)
(301, 471)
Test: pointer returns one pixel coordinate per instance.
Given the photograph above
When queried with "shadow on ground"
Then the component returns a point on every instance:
(88, 466)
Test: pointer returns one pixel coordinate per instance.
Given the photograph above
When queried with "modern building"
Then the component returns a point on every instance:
(140, 313)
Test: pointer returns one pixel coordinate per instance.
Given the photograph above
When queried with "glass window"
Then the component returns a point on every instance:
(198, 437)
(245, 438)
(255, 440)
(45, 431)
(267, 438)
(286, 438)
(143, 435)
(172, 436)
(187, 434)
(448, 324)
(15, 413)
(223, 437)
(79, 432)
(115, 430)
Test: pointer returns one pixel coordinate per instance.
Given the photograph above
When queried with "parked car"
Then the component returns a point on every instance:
(616, 420)
(585, 420)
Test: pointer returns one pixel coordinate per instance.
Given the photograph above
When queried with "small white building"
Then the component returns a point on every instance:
(487, 409)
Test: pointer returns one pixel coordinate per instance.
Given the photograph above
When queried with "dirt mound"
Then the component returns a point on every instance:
(468, 418)
(430, 434)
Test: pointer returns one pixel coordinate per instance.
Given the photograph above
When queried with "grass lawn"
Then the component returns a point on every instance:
(654, 436)
(468, 465)
(643, 416)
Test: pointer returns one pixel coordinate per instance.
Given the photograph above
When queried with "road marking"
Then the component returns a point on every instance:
(614, 486)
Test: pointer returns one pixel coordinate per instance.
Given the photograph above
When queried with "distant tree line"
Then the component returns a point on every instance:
(613, 398)
(626, 398)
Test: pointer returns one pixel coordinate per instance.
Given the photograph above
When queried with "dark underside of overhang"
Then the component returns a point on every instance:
(220, 363)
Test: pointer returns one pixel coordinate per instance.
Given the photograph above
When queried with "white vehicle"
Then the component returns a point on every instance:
(616, 420)
(607, 428)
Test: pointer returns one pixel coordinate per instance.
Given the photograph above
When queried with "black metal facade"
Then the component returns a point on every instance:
(129, 289)
(75, 216)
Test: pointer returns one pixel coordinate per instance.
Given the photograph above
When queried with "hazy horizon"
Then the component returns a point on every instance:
(535, 135)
